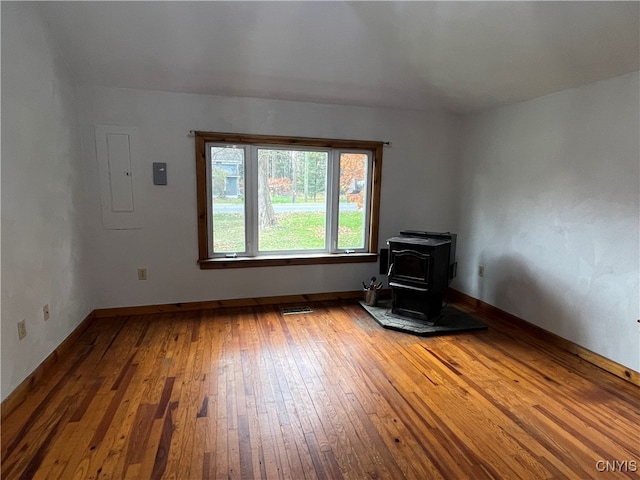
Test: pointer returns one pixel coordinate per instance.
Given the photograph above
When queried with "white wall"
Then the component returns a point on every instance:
(544, 193)
(418, 174)
(43, 249)
(549, 203)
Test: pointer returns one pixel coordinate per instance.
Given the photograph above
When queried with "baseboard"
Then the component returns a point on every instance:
(508, 320)
(216, 304)
(22, 391)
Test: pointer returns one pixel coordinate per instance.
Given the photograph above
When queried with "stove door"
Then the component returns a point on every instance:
(410, 266)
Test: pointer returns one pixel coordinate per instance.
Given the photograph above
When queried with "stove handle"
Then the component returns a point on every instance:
(390, 270)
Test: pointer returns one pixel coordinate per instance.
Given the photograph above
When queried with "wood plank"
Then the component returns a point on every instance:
(22, 391)
(246, 392)
(539, 335)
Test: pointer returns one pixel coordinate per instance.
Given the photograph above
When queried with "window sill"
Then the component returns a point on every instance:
(281, 260)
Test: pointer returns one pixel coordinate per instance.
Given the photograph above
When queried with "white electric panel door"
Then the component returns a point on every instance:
(119, 159)
(118, 167)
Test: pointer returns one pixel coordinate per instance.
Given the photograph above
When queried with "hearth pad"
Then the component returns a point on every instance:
(451, 320)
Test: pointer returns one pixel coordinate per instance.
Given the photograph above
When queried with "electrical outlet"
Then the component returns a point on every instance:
(142, 274)
(22, 329)
(481, 270)
(45, 312)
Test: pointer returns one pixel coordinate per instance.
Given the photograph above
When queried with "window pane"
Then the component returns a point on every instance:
(292, 200)
(227, 202)
(353, 200)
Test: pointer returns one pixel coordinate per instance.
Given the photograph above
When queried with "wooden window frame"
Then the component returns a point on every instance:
(203, 206)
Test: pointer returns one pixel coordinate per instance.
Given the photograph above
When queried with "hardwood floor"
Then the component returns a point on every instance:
(250, 393)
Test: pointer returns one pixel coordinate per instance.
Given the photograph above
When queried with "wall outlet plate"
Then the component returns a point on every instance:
(22, 329)
(45, 312)
(142, 274)
(481, 270)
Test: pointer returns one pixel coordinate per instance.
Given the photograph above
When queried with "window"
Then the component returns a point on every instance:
(267, 200)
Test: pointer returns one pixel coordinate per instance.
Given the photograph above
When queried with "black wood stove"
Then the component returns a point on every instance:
(421, 266)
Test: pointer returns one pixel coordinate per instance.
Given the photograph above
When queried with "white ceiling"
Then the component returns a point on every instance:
(462, 56)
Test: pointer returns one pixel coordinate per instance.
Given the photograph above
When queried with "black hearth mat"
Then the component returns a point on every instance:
(451, 320)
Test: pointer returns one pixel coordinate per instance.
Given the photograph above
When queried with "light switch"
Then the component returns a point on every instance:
(159, 173)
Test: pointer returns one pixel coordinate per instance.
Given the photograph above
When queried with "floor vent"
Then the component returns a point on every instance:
(295, 310)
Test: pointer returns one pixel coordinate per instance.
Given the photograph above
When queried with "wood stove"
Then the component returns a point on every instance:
(421, 265)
